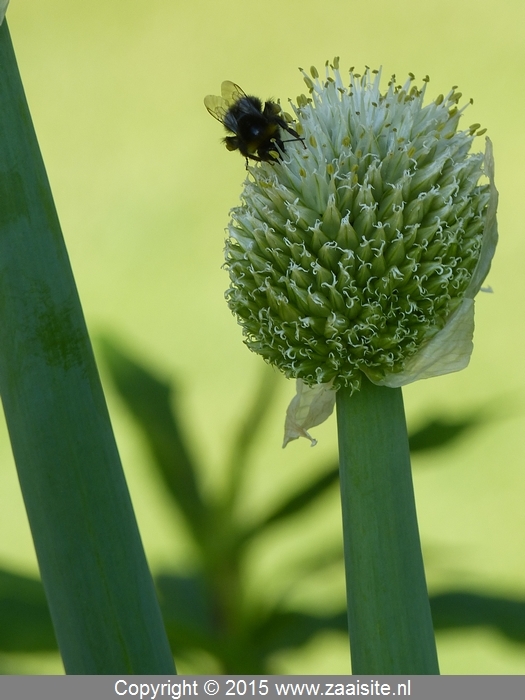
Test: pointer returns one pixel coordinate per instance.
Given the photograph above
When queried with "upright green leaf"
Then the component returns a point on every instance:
(99, 589)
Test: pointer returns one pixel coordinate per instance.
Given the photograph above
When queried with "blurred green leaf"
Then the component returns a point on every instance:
(439, 432)
(312, 563)
(207, 609)
(457, 609)
(298, 501)
(185, 607)
(292, 629)
(248, 432)
(25, 622)
(152, 402)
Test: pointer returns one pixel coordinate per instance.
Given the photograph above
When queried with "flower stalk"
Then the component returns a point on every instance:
(389, 618)
(354, 262)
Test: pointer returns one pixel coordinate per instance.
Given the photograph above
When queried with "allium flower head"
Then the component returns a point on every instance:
(361, 252)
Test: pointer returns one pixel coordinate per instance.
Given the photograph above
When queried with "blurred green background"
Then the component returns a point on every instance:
(143, 187)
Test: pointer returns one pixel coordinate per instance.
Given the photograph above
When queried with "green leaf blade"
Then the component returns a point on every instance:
(99, 589)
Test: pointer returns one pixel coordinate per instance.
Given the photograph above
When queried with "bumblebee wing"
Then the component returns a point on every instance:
(216, 106)
(231, 92)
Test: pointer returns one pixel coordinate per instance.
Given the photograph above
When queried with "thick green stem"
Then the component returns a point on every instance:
(99, 589)
(389, 616)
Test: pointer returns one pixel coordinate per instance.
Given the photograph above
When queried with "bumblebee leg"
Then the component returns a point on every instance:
(295, 135)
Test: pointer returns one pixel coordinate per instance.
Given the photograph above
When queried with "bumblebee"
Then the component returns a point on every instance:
(256, 129)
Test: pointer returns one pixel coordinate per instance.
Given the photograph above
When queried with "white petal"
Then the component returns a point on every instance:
(490, 234)
(448, 351)
(309, 407)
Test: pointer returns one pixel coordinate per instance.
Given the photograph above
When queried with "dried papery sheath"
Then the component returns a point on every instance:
(361, 252)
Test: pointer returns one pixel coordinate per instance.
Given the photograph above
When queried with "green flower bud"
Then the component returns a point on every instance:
(361, 250)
